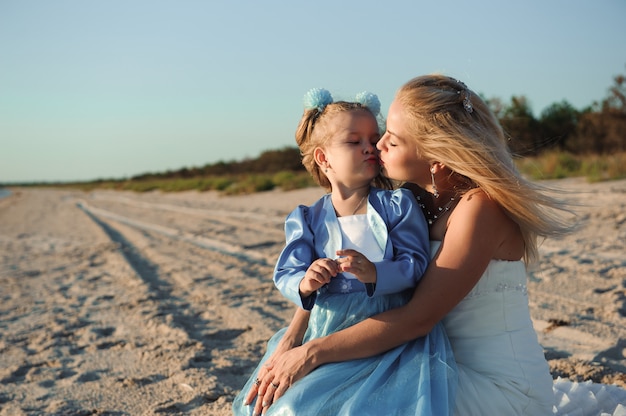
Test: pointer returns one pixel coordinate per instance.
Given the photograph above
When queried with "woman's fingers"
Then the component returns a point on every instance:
(261, 401)
(266, 395)
(275, 391)
(269, 398)
(280, 390)
(256, 386)
(252, 393)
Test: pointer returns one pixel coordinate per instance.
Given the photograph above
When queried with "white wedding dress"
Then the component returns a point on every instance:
(502, 368)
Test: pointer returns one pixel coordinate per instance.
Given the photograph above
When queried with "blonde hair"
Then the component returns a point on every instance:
(453, 126)
(316, 129)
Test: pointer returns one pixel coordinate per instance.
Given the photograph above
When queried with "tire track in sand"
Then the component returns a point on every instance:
(220, 246)
(193, 300)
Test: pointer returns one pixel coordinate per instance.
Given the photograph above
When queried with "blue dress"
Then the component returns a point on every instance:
(416, 378)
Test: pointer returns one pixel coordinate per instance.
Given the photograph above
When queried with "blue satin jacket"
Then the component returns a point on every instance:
(313, 232)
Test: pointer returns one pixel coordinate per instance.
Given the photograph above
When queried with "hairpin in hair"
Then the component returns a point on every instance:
(317, 98)
(467, 103)
(369, 100)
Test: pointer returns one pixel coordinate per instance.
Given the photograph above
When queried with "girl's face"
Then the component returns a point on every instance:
(398, 150)
(351, 152)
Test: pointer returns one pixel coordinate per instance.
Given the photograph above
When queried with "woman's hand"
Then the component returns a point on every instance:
(276, 378)
(292, 338)
(352, 261)
(256, 390)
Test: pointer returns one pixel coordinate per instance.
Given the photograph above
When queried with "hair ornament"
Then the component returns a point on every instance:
(369, 100)
(467, 103)
(317, 98)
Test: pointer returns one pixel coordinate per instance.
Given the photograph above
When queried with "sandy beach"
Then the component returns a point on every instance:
(120, 303)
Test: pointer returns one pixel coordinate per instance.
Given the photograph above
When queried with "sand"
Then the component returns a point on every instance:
(137, 304)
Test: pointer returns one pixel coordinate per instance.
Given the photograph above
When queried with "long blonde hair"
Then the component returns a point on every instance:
(453, 125)
(316, 129)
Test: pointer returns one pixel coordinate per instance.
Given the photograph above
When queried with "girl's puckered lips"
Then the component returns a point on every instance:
(373, 160)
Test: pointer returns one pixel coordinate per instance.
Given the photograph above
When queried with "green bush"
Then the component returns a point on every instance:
(250, 184)
(555, 165)
(288, 181)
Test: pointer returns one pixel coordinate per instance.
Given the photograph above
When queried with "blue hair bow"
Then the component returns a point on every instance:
(317, 98)
(369, 100)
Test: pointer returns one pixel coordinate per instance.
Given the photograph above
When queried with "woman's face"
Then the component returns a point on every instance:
(398, 150)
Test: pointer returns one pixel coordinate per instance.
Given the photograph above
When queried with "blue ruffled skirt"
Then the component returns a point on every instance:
(416, 378)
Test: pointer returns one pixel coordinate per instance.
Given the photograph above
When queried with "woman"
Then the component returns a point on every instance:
(485, 219)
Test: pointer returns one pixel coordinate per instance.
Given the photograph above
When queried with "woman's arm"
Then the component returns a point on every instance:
(476, 229)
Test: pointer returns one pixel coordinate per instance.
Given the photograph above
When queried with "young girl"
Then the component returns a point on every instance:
(358, 251)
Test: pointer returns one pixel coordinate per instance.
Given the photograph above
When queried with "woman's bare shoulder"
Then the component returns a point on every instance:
(478, 203)
(486, 220)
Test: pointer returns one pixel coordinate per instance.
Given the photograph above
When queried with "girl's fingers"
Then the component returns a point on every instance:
(350, 260)
(328, 265)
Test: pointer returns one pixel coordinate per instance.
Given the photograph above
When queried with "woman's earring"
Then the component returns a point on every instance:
(432, 177)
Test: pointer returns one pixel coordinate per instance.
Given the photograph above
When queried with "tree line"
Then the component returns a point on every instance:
(599, 129)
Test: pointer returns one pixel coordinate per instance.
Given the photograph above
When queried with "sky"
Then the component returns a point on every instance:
(111, 89)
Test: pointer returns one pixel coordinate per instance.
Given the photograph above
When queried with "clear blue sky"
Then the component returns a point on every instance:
(110, 89)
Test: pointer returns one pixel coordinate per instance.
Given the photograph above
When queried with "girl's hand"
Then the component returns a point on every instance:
(318, 274)
(352, 261)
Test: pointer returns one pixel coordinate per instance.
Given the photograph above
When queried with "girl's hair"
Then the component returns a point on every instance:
(316, 129)
(453, 126)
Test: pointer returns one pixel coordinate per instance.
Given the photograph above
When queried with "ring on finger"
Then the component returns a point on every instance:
(257, 382)
(274, 385)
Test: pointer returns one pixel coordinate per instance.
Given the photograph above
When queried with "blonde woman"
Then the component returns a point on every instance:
(485, 219)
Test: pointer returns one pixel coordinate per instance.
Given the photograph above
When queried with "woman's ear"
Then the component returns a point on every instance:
(436, 167)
